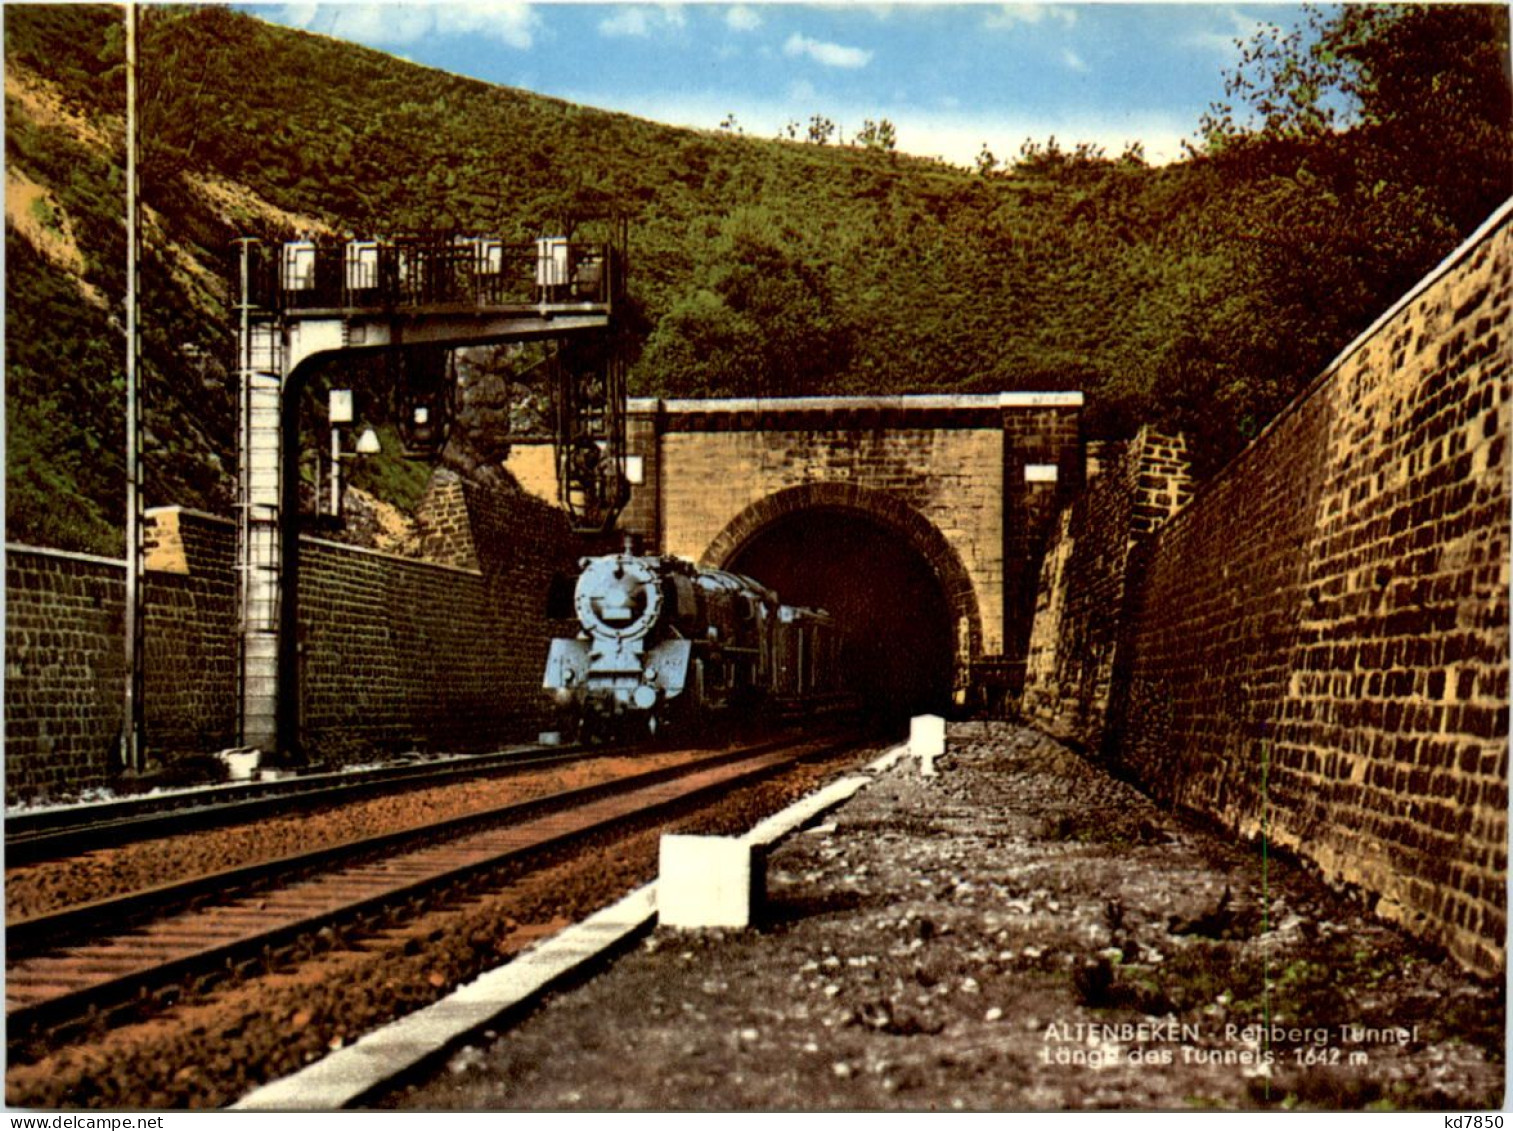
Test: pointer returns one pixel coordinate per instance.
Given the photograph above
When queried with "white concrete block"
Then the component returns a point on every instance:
(241, 763)
(927, 741)
(705, 881)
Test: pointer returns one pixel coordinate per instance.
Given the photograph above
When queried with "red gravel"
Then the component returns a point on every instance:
(37, 889)
(210, 1051)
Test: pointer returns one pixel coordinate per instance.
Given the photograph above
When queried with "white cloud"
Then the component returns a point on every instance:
(1073, 60)
(829, 54)
(627, 21)
(390, 25)
(742, 18)
(379, 24)
(297, 15)
(639, 20)
(511, 23)
(1019, 15)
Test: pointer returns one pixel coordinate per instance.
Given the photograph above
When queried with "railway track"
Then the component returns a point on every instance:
(44, 834)
(122, 958)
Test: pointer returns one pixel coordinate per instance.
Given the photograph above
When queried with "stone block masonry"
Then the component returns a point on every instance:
(970, 483)
(65, 670)
(1316, 649)
(395, 652)
(953, 478)
(65, 665)
(1094, 558)
(399, 653)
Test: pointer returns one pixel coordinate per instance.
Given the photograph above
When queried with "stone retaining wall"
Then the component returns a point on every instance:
(395, 652)
(1317, 647)
(1095, 554)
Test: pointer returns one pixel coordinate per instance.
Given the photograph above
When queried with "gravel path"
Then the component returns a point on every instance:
(1021, 932)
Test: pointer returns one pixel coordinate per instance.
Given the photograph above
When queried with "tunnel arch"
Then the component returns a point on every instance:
(864, 518)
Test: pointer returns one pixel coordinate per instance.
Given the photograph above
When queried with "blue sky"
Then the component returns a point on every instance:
(950, 77)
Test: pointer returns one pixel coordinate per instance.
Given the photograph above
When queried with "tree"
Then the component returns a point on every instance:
(759, 319)
(821, 130)
(878, 135)
(1290, 83)
(1354, 152)
(1434, 81)
(1413, 83)
(1050, 160)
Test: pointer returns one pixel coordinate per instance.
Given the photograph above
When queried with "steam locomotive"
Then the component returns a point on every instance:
(665, 642)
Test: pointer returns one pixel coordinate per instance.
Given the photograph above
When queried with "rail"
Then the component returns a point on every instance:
(42, 834)
(111, 957)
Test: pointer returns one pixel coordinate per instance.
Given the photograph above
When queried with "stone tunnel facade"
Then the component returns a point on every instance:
(969, 484)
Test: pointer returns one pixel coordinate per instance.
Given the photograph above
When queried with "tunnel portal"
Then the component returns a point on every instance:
(893, 613)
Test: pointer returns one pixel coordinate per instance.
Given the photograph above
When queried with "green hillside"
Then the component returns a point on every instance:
(1200, 295)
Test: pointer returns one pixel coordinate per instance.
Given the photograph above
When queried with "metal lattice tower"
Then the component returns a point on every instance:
(307, 302)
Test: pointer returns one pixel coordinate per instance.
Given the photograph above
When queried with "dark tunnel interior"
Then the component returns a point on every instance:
(892, 611)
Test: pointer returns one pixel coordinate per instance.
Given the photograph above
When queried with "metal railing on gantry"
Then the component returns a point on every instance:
(327, 274)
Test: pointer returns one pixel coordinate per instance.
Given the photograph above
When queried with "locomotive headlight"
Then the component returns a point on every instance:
(618, 603)
(645, 697)
(618, 597)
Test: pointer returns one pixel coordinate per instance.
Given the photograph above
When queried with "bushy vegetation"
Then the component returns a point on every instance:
(1200, 295)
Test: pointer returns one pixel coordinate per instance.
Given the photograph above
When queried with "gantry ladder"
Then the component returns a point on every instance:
(259, 531)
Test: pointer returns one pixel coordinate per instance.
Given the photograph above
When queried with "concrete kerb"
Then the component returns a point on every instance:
(374, 1061)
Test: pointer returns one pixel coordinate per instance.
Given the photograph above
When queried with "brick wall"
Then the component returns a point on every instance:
(640, 516)
(395, 652)
(189, 633)
(1319, 643)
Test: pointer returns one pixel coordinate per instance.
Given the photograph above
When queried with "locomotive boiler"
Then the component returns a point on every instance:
(665, 641)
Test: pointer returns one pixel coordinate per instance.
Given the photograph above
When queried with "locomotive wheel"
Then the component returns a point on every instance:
(591, 729)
